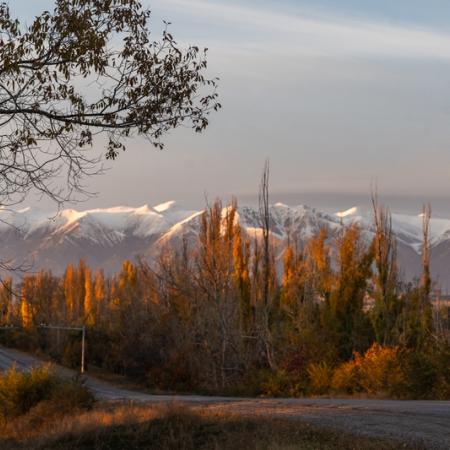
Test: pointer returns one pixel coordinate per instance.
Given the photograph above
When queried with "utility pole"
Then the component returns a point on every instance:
(58, 328)
(83, 339)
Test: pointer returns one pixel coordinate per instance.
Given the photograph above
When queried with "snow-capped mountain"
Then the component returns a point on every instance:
(105, 237)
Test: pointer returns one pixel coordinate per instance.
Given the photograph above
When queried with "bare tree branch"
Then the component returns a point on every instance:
(86, 69)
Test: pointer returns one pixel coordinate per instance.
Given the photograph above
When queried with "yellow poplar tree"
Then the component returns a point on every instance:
(89, 313)
(69, 294)
(241, 257)
(26, 313)
(293, 280)
(99, 291)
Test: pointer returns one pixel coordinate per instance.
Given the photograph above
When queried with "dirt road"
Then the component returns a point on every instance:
(427, 422)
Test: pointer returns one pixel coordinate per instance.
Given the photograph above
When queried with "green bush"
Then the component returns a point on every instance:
(420, 375)
(441, 357)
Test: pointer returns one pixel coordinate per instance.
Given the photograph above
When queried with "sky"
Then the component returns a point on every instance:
(338, 94)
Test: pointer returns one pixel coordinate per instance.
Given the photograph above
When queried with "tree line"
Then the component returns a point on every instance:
(215, 315)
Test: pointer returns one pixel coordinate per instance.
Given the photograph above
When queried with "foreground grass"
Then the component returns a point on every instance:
(40, 411)
(172, 427)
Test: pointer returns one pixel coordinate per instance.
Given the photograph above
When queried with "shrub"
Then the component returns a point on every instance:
(345, 378)
(20, 391)
(280, 383)
(377, 372)
(42, 392)
(441, 357)
(71, 395)
(320, 375)
(420, 375)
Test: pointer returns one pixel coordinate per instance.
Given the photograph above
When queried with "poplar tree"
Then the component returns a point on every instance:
(241, 261)
(26, 310)
(344, 313)
(88, 304)
(387, 308)
(69, 292)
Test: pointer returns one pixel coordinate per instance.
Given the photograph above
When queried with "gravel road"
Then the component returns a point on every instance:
(425, 422)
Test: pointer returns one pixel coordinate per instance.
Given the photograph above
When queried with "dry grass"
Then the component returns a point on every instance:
(172, 427)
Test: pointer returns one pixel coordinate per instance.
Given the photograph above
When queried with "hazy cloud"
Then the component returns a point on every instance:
(321, 35)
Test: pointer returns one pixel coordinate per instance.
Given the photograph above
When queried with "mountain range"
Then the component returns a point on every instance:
(106, 237)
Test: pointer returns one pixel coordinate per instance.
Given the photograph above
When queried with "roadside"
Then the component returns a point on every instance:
(425, 422)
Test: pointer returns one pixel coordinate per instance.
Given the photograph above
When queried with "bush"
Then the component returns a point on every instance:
(377, 372)
(20, 391)
(71, 395)
(345, 378)
(280, 383)
(39, 388)
(320, 375)
(420, 375)
(441, 357)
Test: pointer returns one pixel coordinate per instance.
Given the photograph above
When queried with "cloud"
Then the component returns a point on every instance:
(296, 31)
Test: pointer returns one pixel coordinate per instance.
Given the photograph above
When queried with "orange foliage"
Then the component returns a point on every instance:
(377, 372)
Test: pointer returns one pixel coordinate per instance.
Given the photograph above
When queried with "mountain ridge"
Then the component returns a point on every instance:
(104, 237)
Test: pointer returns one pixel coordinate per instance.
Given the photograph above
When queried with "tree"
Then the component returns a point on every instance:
(50, 113)
(387, 308)
(319, 266)
(264, 220)
(99, 292)
(26, 311)
(293, 280)
(215, 281)
(88, 303)
(70, 292)
(426, 315)
(241, 261)
(344, 314)
(426, 277)
(418, 317)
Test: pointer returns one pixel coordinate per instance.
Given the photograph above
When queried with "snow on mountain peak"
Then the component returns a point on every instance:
(346, 213)
(117, 223)
(143, 210)
(165, 206)
(71, 215)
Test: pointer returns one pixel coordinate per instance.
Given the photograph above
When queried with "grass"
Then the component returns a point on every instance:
(175, 427)
(43, 412)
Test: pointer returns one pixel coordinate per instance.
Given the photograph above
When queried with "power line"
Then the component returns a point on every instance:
(58, 328)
